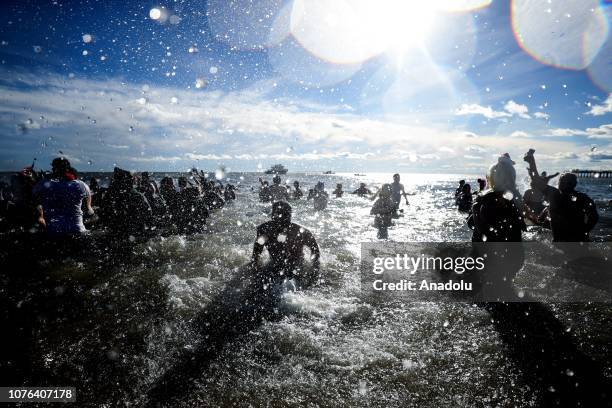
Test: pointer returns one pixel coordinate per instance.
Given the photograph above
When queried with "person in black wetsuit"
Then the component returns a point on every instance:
(465, 199)
(285, 242)
(572, 214)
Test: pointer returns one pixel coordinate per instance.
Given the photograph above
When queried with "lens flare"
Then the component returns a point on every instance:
(461, 5)
(352, 31)
(600, 70)
(296, 64)
(567, 35)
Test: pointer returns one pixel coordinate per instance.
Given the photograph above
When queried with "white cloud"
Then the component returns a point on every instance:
(564, 132)
(511, 109)
(486, 111)
(541, 115)
(599, 110)
(517, 109)
(519, 133)
(601, 132)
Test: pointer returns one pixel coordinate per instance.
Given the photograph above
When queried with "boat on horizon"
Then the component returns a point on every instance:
(277, 169)
(329, 172)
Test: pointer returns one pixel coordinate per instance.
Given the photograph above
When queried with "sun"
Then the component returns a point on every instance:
(352, 31)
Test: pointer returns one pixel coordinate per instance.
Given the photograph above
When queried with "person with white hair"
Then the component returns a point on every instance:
(496, 214)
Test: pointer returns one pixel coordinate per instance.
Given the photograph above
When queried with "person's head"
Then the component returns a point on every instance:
(544, 174)
(339, 186)
(466, 188)
(276, 179)
(265, 184)
(145, 177)
(281, 213)
(122, 178)
(482, 183)
(296, 184)
(182, 182)
(167, 183)
(461, 183)
(567, 183)
(362, 185)
(93, 183)
(385, 191)
(320, 186)
(396, 178)
(60, 166)
(502, 175)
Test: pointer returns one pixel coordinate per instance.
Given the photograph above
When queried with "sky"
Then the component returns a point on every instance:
(344, 85)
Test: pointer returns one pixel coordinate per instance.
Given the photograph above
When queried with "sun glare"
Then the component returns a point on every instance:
(346, 31)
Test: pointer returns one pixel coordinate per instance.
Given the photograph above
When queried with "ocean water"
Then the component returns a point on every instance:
(114, 328)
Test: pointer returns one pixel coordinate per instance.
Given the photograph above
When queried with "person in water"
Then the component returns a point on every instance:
(572, 214)
(338, 191)
(285, 242)
(458, 191)
(496, 215)
(229, 193)
(465, 199)
(362, 191)
(319, 196)
(297, 192)
(278, 192)
(61, 200)
(383, 210)
(482, 185)
(125, 211)
(264, 192)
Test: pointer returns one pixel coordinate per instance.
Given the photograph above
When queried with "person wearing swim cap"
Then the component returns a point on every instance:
(285, 242)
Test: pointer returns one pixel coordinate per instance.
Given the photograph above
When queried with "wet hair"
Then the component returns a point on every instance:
(567, 182)
(466, 188)
(396, 175)
(296, 183)
(182, 180)
(320, 186)
(60, 165)
(276, 179)
(339, 185)
(462, 182)
(281, 212)
(502, 175)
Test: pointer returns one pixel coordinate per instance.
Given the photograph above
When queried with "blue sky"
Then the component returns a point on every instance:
(349, 85)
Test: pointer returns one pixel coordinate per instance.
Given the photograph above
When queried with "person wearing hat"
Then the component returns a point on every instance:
(61, 198)
(285, 242)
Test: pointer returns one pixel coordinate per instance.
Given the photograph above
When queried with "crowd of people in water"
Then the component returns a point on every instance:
(497, 212)
(60, 204)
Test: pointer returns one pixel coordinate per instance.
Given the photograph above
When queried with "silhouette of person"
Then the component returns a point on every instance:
(285, 242)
